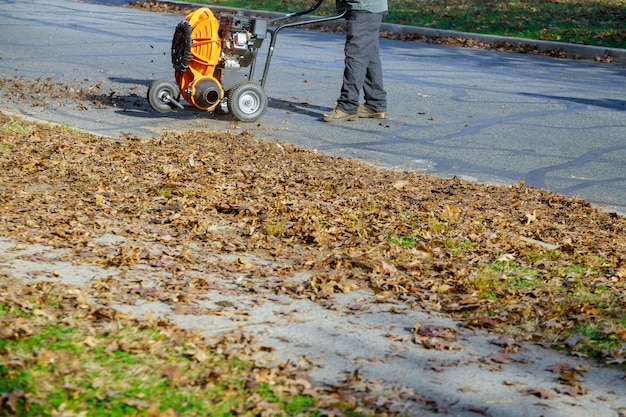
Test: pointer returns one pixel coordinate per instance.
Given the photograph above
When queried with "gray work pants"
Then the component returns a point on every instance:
(363, 69)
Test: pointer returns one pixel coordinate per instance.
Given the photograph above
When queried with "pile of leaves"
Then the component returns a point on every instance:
(509, 258)
(46, 92)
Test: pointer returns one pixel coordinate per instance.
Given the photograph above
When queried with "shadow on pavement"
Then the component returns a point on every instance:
(612, 104)
(298, 107)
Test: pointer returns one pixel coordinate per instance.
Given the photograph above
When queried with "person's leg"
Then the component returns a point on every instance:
(362, 31)
(373, 90)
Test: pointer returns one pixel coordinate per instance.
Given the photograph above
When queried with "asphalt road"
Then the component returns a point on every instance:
(495, 117)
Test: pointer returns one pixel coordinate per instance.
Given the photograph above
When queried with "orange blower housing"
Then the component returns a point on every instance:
(213, 62)
(195, 63)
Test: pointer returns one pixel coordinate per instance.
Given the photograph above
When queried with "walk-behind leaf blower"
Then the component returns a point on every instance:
(214, 62)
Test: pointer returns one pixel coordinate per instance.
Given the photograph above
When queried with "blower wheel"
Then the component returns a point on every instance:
(247, 101)
(163, 95)
(181, 47)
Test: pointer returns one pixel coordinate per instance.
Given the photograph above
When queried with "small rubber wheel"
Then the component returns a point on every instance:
(161, 95)
(247, 101)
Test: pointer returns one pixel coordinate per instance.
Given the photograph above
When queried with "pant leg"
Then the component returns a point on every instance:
(373, 89)
(362, 62)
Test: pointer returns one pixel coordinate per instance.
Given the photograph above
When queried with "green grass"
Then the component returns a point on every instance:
(164, 191)
(69, 128)
(404, 241)
(457, 247)
(58, 358)
(594, 340)
(499, 279)
(600, 22)
(13, 126)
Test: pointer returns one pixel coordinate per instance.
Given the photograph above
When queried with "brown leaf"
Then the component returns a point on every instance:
(440, 406)
(12, 398)
(590, 310)
(437, 344)
(568, 378)
(621, 272)
(498, 357)
(478, 410)
(435, 367)
(385, 269)
(429, 331)
(507, 343)
(509, 382)
(572, 341)
(173, 374)
(571, 390)
(154, 411)
(558, 367)
(543, 393)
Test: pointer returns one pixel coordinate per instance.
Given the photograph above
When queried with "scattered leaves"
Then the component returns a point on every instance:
(338, 224)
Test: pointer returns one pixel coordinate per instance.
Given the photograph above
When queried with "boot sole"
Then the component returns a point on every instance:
(373, 116)
(349, 118)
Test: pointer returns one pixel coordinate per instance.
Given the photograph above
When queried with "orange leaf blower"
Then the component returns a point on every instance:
(214, 63)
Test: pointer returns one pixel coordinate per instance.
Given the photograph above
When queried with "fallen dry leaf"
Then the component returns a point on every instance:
(543, 393)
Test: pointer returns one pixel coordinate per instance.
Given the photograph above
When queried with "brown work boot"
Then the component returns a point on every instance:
(371, 114)
(338, 116)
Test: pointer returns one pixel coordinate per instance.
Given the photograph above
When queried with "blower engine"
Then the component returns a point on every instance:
(214, 63)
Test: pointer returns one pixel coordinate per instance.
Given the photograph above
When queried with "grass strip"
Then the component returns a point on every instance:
(597, 23)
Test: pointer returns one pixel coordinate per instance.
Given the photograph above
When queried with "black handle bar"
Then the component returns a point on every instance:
(313, 8)
(274, 31)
